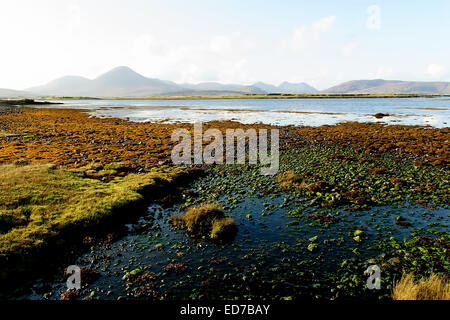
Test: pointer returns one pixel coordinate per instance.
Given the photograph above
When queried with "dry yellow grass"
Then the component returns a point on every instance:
(199, 219)
(206, 220)
(433, 288)
(223, 229)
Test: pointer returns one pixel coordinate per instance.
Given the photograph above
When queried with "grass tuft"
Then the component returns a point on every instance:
(206, 220)
(433, 288)
(223, 229)
(199, 219)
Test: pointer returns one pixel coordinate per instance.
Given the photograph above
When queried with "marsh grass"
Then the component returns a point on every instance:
(199, 219)
(206, 220)
(433, 288)
(39, 202)
(223, 229)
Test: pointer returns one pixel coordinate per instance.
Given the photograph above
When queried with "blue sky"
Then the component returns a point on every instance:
(319, 42)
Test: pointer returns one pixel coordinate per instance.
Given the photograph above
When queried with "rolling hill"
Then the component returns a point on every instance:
(8, 93)
(390, 86)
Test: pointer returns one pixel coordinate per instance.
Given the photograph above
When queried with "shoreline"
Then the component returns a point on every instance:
(287, 112)
(24, 102)
(72, 138)
(259, 96)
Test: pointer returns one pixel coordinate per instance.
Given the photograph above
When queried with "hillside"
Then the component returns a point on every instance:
(8, 93)
(390, 86)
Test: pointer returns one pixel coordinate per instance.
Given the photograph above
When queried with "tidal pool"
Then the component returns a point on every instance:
(281, 251)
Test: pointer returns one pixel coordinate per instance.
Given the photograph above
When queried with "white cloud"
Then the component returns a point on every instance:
(300, 40)
(233, 71)
(220, 44)
(323, 25)
(382, 72)
(374, 17)
(213, 59)
(73, 17)
(348, 49)
(436, 71)
(306, 37)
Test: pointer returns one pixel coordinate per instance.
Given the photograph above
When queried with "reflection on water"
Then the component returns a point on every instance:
(311, 112)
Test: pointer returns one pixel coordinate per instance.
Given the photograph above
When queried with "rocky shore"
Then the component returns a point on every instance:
(72, 138)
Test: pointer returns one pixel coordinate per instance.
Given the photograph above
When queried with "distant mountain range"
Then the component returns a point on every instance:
(390, 86)
(286, 87)
(121, 81)
(124, 82)
(7, 93)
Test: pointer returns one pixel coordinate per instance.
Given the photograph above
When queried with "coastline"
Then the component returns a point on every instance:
(259, 96)
(71, 138)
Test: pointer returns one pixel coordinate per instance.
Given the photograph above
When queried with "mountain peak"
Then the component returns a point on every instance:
(122, 71)
(122, 68)
(121, 77)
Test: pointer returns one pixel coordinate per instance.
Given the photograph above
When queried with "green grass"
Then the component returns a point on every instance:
(39, 202)
(24, 134)
(9, 134)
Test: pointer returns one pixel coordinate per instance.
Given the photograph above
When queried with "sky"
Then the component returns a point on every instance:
(321, 42)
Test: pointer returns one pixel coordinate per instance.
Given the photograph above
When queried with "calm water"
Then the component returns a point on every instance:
(313, 112)
(268, 259)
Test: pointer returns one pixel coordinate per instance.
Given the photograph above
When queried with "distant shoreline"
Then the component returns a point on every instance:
(24, 102)
(255, 96)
